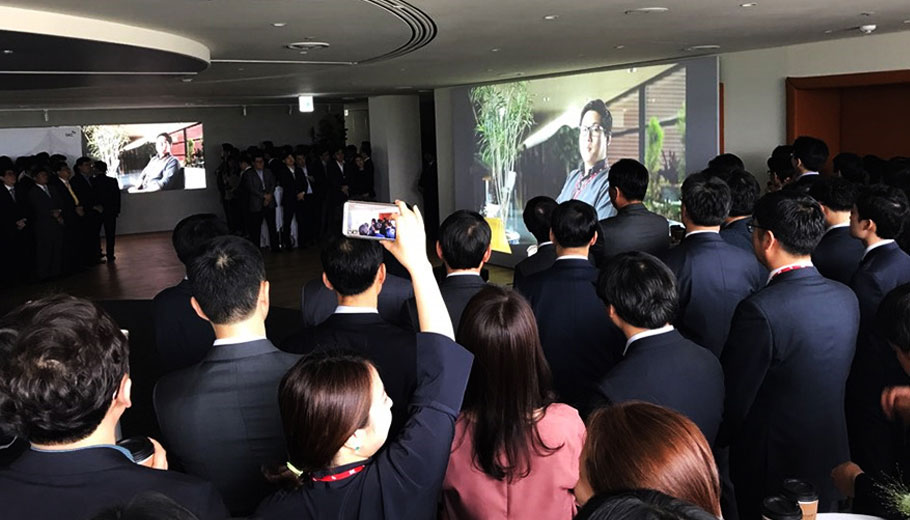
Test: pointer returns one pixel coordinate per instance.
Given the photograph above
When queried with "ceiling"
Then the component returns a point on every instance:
(376, 46)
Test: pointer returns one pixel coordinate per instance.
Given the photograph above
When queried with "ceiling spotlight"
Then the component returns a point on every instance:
(278, 24)
(749, 4)
(240, 69)
(186, 80)
(696, 48)
(8, 51)
(307, 45)
(647, 10)
(304, 52)
(619, 47)
(551, 17)
(497, 49)
(829, 31)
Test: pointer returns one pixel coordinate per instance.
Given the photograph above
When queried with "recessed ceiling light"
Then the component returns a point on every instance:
(304, 52)
(497, 49)
(829, 31)
(619, 47)
(307, 45)
(633, 69)
(240, 69)
(749, 4)
(278, 24)
(906, 21)
(551, 17)
(186, 80)
(694, 48)
(647, 10)
(8, 51)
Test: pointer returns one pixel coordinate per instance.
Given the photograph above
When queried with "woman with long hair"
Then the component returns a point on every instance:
(636, 445)
(336, 417)
(515, 453)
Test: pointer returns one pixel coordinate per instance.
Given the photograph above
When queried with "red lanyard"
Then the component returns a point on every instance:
(340, 476)
(789, 268)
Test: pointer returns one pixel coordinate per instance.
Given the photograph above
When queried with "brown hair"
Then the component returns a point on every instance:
(638, 445)
(323, 399)
(510, 380)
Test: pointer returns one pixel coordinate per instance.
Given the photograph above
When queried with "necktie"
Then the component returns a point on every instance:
(72, 193)
(12, 193)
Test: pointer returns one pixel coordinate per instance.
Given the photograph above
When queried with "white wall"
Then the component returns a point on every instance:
(755, 98)
(395, 139)
(357, 123)
(160, 211)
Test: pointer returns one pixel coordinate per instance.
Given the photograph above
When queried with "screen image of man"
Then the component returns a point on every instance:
(163, 171)
(589, 182)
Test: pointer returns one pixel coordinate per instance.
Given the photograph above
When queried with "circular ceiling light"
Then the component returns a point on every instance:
(551, 17)
(619, 47)
(8, 51)
(749, 4)
(696, 48)
(829, 31)
(497, 49)
(647, 10)
(307, 46)
(278, 24)
(186, 80)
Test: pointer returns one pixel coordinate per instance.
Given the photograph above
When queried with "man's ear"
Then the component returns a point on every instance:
(487, 255)
(195, 304)
(124, 392)
(264, 299)
(593, 240)
(327, 283)
(552, 237)
(439, 250)
(609, 139)
(381, 274)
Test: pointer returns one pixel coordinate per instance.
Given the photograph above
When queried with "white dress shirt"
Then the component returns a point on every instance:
(877, 245)
(805, 263)
(646, 334)
(237, 339)
(347, 309)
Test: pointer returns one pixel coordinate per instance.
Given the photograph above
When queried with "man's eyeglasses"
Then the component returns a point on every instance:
(751, 227)
(594, 129)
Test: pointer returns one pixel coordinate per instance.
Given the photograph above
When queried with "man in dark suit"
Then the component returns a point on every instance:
(808, 158)
(318, 302)
(90, 250)
(107, 193)
(259, 186)
(658, 364)
(220, 416)
(64, 385)
(785, 371)
(354, 270)
(46, 209)
(633, 228)
(294, 187)
(463, 247)
(537, 219)
(182, 337)
(838, 254)
(13, 228)
(744, 191)
(337, 190)
(73, 212)
(712, 275)
(309, 223)
(876, 219)
(580, 344)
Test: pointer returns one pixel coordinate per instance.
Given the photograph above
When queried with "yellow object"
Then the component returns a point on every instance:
(499, 242)
(73, 193)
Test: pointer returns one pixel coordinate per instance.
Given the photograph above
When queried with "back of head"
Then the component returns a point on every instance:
(780, 165)
(875, 167)
(537, 217)
(744, 191)
(192, 234)
(884, 205)
(850, 167)
(811, 151)
(323, 399)
(707, 199)
(149, 505)
(641, 504)
(226, 279)
(510, 380)
(351, 264)
(464, 238)
(796, 220)
(630, 177)
(835, 193)
(640, 288)
(726, 162)
(64, 360)
(638, 445)
(573, 223)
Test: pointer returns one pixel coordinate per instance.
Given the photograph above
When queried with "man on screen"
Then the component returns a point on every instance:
(588, 183)
(162, 171)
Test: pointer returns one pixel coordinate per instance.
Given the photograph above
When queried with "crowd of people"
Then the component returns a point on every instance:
(51, 216)
(755, 365)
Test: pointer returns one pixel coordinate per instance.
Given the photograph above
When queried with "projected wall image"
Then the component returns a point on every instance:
(150, 157)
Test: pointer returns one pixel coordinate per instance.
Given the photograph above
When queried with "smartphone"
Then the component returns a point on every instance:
(369, 220)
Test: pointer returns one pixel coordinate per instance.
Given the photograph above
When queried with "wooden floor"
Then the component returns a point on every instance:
(146, 264)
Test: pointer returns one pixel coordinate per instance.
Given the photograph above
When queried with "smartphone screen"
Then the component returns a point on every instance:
(369, 220)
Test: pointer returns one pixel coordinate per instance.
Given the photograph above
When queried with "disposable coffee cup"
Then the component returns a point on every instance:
(141, 448)
(780, 508)
(804, 494)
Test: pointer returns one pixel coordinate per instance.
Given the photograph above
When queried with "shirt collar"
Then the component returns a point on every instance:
(806, 175)
(646, 334)
(772, 274)
(461, 273)
(547, 243)
(700, 231)
(237, 339)
(347, 309)
(876, 246)
(122, 450)
(572, 257)
(836, 226)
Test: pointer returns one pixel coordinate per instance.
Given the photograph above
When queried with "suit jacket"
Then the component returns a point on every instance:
(737, 234)
(390, 348)
(11, 211)
(292, 182)
(456, 291)
(669, 370)
(255, 189)
(78, 484)
(336, 177)
(318, 302)
(221, 421)
(540, 261)
(838, 254)
(165, 174)
(712, 277)
(84, 191)
(579, 341)
(633, 228)
(785, 365)
(182, 337)
(107, 193)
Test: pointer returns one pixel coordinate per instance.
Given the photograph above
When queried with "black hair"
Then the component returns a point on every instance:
(893, 317)
(464, 238)
(573, 223)
(537, 217)
(630, 177)
(811, 151)
(796, 220)
(167, 137)
(256, 154)
(884, 205)
(101, 166)
(641, 504)
(351, 264)
(606, 118)
(875, 167)
(80, 161)
(707, 199)
(780, 165)
(226, 277)
(641, 289)
(64, 361)
(744, 191)
(726, 162)
(148, 505)
(245, 158)
(850, 167)
(193, 233)
(835, 193)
